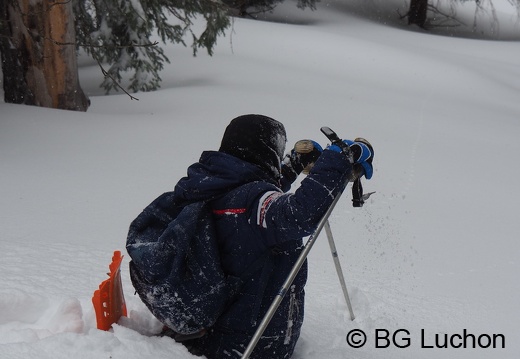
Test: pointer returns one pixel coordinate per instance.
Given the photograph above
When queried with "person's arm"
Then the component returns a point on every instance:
(284, 217)
(290, 216)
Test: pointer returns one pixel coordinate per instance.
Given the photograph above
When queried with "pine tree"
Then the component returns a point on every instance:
(119, 33)
(249, 7)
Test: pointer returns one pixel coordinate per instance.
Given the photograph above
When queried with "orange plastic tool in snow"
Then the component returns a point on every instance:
(109, 301)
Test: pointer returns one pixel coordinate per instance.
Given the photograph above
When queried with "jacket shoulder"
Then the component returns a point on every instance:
(246, 195)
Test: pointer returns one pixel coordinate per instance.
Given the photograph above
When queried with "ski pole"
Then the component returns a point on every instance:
(337, 264)
(290, 278)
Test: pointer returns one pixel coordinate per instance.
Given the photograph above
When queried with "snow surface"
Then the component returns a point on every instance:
(435, 249)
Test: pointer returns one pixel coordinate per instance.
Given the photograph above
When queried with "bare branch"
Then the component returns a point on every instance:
(106, 74)
(153, 44)
(447, 17)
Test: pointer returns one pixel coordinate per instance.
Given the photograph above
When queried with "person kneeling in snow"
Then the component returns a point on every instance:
(258, 221)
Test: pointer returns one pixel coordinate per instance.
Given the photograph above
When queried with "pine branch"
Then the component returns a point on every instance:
(106, 74)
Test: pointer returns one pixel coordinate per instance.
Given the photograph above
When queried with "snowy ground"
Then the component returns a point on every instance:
(435, 250)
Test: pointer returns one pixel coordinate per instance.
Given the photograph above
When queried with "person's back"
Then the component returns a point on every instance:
(244, 243)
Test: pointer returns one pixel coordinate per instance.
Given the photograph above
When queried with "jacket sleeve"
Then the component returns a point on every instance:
(290, 216)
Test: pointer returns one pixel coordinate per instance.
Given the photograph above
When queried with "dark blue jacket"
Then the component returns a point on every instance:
(257, 223)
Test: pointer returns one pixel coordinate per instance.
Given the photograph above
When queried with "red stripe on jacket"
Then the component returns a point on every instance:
(229, 211)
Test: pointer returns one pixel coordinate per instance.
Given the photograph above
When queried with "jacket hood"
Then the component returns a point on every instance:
(215, 174)
(257, 139)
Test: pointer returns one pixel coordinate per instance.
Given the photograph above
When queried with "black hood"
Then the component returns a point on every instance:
(257, 139)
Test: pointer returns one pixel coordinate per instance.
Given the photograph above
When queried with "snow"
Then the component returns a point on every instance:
(434, 251)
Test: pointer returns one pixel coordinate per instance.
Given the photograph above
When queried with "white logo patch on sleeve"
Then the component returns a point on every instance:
(263, 206)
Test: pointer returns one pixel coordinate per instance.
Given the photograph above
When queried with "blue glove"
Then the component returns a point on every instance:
(361, 153)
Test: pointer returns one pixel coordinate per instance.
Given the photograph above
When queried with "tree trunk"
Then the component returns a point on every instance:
(417, 12)
(39, 54)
